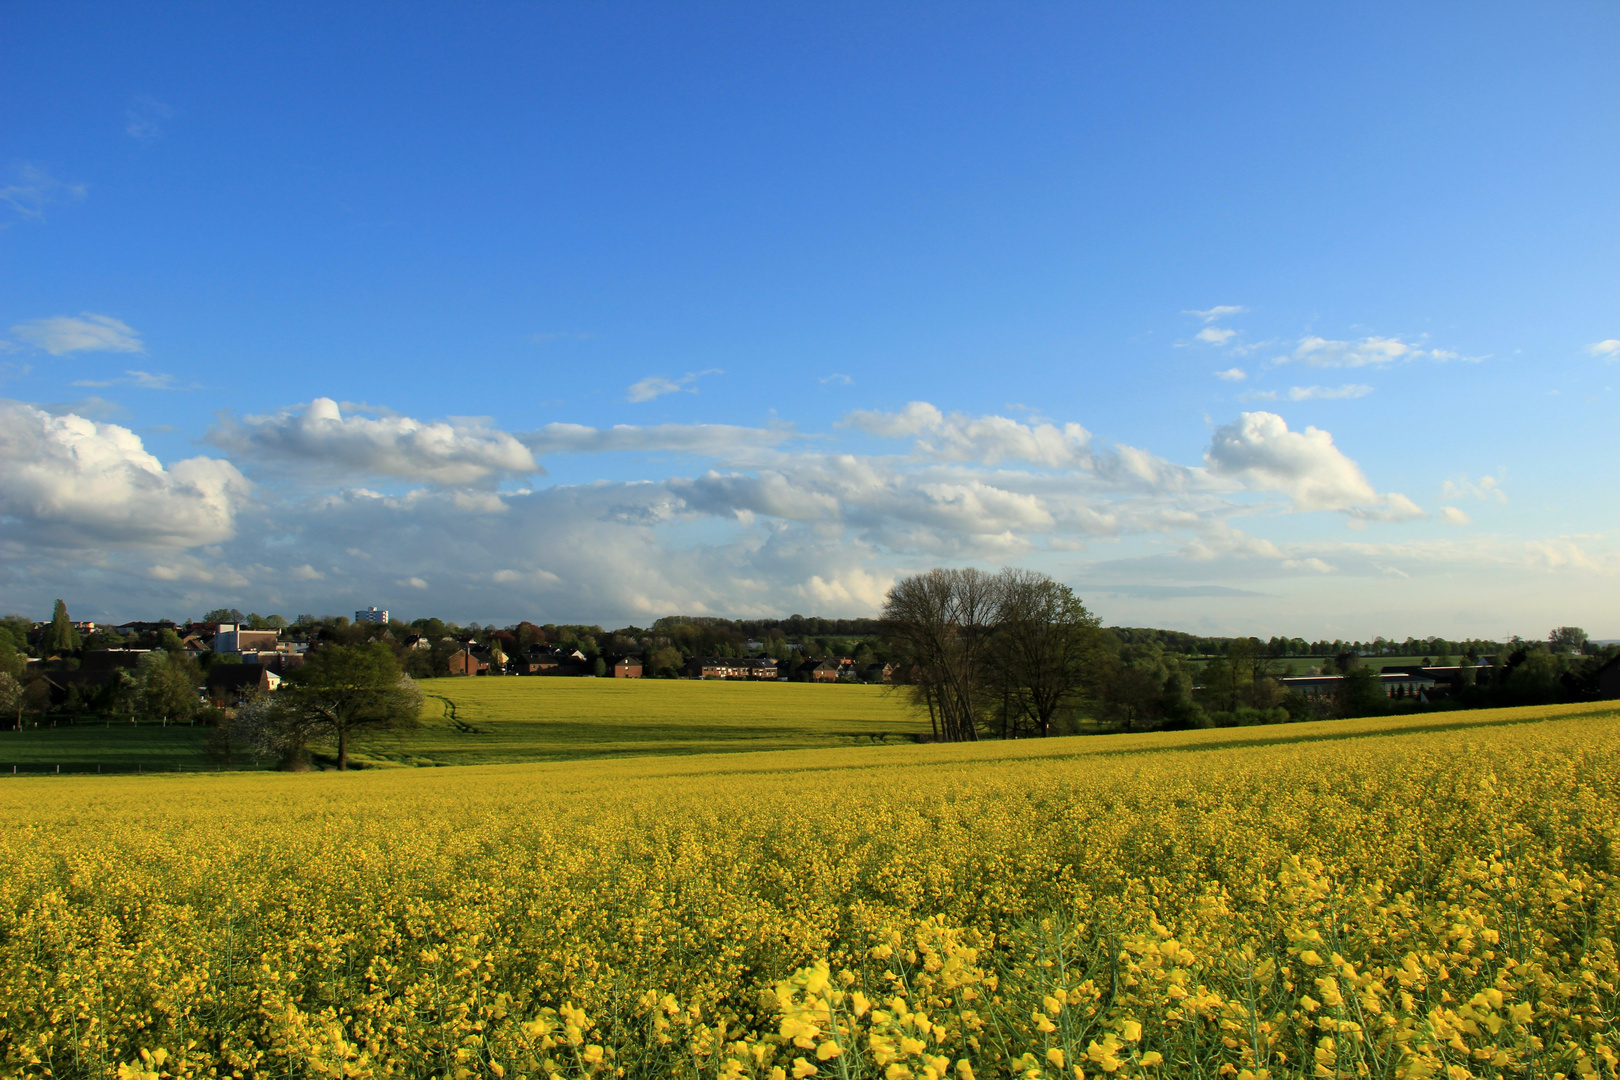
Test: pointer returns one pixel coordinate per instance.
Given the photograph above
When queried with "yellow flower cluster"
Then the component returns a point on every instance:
(1440, 903)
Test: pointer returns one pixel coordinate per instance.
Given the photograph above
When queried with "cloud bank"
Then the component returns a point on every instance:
(431, 514)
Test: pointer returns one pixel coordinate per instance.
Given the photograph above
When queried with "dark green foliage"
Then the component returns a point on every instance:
(60, 636)
(166, 687)
(342, 690)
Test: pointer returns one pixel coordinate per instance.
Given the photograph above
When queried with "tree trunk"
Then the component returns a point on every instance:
(343, 749)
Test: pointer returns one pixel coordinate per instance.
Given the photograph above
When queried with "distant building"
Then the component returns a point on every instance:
(628, 667)
(819, 671)
(878, 673)
(372, 614)
(727, 667)
(237, 639)
(1396, 683)
(540, 660)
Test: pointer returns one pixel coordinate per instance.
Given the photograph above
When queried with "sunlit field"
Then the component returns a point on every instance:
(484, 720)
(1388, 898)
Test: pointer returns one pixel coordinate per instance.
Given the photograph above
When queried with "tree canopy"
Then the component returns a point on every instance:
(341, 690)
(60, 635)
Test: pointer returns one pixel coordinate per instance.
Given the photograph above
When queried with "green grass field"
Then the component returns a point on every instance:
(489, 721)
(484, 721)
(92, 747)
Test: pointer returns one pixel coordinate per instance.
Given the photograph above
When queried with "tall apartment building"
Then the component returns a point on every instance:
(371, 615)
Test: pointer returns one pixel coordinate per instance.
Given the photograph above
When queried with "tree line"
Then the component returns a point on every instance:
(1016, 654)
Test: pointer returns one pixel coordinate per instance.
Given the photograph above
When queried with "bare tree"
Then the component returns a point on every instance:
(941, 623)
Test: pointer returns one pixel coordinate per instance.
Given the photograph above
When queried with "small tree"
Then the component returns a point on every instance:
(1362, 693)
(342, 690)
(11, 698)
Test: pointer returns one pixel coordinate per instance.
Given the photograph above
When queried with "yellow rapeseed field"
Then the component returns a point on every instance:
(1436, 899)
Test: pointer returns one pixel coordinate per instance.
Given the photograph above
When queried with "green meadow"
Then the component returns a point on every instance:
(484, 721)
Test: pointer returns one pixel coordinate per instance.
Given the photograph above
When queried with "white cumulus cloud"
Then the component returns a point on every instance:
(83, 484)
(1233, 374)
(985, 439)
(1608, 350)
(465, 452)
(1260, 452)
(1215, 335)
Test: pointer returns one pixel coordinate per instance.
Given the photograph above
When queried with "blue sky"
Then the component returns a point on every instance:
(1239, 318)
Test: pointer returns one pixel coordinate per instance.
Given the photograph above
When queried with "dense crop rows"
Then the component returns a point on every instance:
(1241, 903)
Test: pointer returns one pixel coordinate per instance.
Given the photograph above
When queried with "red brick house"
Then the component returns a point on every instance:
(627, 667)
(819, 671)
(463, 662)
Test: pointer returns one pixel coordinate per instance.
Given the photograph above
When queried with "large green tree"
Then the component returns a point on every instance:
(342, 690)
(1567, 639)
(1047, 648)
(166, 687)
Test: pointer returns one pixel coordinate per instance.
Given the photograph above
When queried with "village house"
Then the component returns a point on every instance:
(819, 671)
(627, 667)
(878, 673)
(540, 660)
(466, 662)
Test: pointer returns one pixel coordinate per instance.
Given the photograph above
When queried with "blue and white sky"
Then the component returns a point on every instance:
(1258, 318)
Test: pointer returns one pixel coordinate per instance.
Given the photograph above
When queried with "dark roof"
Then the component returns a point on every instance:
(234, 676)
